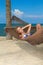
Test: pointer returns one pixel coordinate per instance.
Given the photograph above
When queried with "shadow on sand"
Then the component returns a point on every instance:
(36, 51)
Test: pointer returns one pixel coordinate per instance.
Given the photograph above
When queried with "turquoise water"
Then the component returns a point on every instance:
(2, 30)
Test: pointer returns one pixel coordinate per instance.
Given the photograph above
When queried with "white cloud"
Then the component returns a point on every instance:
(17, 12)
(34, 16)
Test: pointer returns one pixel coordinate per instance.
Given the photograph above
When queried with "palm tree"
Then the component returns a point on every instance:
(8, 12)
(8, 16)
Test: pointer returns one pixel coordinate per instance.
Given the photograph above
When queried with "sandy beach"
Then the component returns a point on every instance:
(17, 52)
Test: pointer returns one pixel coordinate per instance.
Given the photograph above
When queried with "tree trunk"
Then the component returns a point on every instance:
(8, 16)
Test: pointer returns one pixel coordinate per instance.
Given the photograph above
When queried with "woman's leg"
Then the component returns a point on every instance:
(38, 26)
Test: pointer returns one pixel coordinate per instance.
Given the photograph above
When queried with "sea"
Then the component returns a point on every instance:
(2, 28)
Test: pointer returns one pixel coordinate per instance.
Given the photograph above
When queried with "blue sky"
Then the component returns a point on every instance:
(30, 11)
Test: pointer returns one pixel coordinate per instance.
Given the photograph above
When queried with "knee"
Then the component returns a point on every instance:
(38, 26)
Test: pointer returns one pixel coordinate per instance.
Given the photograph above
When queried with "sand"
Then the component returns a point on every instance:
(16, 52)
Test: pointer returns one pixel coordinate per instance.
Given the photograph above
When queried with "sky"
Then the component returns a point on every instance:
(30, 11)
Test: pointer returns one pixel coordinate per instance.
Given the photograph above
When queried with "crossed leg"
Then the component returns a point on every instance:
(38, 26)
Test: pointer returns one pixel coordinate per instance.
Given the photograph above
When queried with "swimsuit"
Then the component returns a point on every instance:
(26, 35)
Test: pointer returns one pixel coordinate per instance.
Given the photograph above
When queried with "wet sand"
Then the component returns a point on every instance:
(16, 52)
